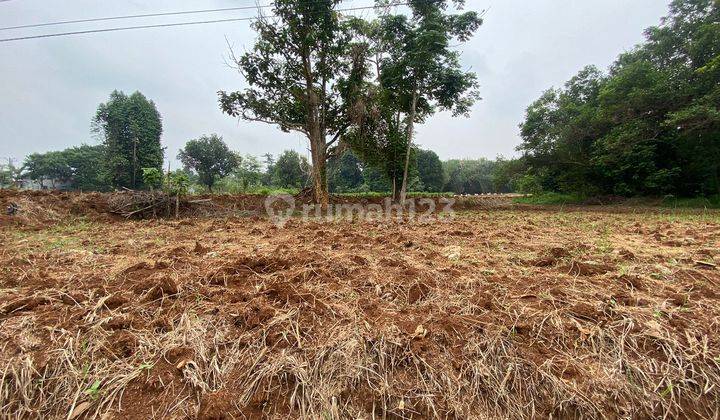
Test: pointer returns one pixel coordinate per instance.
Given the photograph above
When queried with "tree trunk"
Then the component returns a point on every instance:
(410, 123)
(316, 135)
(319, 174)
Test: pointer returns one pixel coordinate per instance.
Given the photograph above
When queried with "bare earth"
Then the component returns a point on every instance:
(498, 313)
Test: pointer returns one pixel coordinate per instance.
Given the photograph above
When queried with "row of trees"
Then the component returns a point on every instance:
(344, 82)
(211, 163)
(347, 82)
(82, 166)
(129, 128)
(648, 126)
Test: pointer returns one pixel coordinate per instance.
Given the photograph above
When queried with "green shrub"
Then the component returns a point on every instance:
(528, 184)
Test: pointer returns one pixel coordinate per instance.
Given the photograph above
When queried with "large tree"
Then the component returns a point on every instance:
(210, 158)
(423, 67)
(417, 72)
(131, 127)
(8, 174)
(50, 166)
(81, 165)
(296, 73)
(86, 163)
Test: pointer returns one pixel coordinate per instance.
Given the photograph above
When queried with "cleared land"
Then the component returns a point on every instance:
(499, 313)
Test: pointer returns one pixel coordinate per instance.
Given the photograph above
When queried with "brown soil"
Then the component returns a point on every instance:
(517, 313)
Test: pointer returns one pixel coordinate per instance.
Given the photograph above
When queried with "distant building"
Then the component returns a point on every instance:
(47, 184)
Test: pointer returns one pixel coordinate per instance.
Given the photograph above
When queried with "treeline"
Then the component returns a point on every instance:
(347, 173)
(130, 128)
(344, 82)
(211, 166)
(650, 125)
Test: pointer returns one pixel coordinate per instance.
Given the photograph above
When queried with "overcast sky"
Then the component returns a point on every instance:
(50, 88)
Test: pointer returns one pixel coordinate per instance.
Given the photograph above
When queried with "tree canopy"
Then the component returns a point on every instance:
(210, 158)
(417, 70)
(296, 73)
(345, 172)
(310, 72)
(290, 170)
(131, 127)
(82, 166)
(648, 126)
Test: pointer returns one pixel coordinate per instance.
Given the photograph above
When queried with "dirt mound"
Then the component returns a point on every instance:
(40, 208)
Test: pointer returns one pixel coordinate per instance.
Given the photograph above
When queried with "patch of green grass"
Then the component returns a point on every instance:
(94, 390)
(65, 235)
(550, 198)
(59, 243)
(273, 191)
(146, 366)
(71, 226)
(712, 202)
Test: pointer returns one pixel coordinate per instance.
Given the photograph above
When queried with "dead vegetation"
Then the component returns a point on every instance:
(499, 314)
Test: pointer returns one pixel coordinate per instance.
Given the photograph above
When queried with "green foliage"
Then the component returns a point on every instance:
(374, 180)
(178, 183)
(82, 166)
(551, 198)
(152, 177)
(93, 390)
(210, 158)
(711, 202)
(297, 72)
(246, 177)
(290, 170)
(345, 172)
(131, 127)
(506, 173)
(86, 167)
(269, 162)
(465, 176)
(47, 166)
(417, 73)
(650, 126)
(430, 171)
(529, 184)
(8, 174)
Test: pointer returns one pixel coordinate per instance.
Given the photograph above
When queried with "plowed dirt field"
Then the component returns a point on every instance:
(497, 313)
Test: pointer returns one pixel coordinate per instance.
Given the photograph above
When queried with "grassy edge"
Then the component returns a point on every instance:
(553, 198)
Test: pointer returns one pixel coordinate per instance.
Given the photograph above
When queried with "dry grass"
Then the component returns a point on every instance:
(503, 314)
